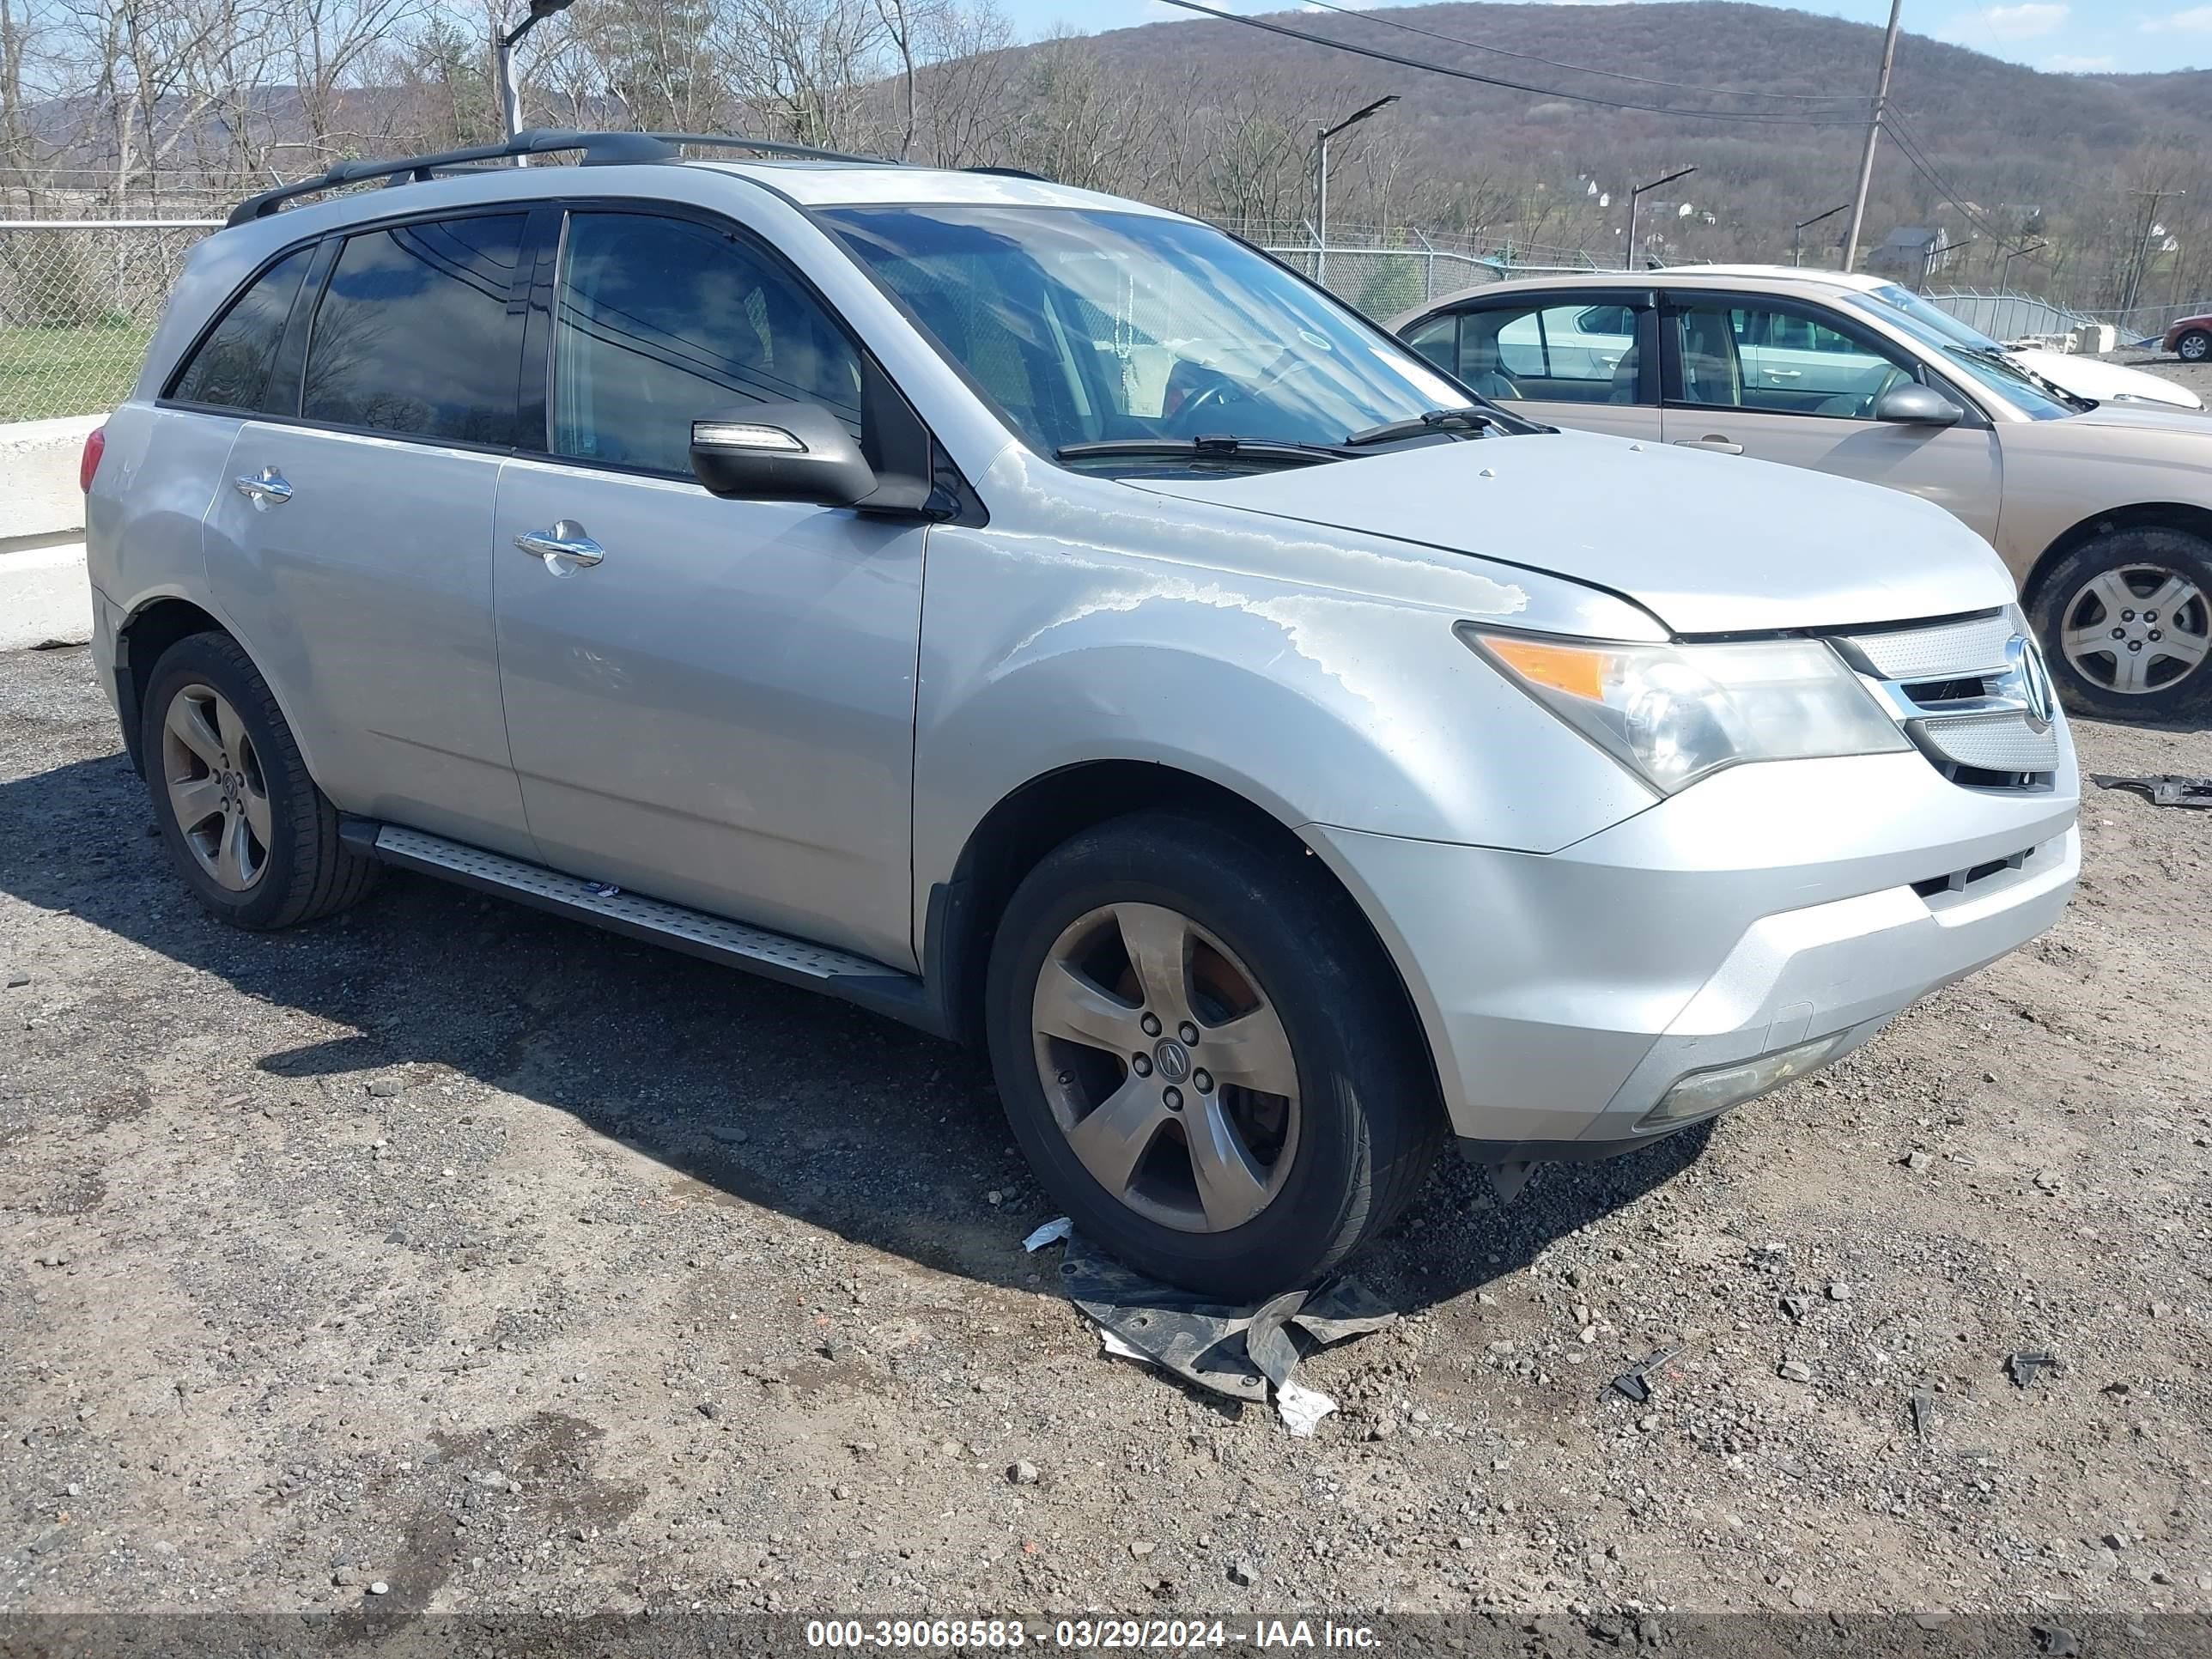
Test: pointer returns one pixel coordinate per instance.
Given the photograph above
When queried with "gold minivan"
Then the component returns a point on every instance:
(2103, 511)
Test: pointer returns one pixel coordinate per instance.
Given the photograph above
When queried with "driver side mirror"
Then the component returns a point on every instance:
(1916, 405)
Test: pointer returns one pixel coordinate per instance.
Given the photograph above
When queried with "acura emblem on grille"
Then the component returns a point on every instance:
(2028, 682)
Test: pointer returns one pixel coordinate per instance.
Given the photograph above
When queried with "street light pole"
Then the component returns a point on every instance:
(1628, 254)
(510, 95)
(1798, 231)
(1320, 189)
(1873, 131)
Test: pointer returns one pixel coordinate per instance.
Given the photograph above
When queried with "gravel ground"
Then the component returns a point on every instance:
(447, 1257)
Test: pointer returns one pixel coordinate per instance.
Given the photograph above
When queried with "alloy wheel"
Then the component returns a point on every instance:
(2136, 629)
(215, 788)
(1167, 1066)
(2194, 347)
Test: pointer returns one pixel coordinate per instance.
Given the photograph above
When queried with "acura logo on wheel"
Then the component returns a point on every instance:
(1173, 1060)
(2028, 682)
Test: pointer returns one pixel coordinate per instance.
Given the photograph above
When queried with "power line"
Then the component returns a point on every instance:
(1915, 152)
(1585, 69)
(1775, 118)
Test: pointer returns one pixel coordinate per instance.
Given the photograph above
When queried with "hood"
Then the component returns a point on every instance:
(2139, 418)
(1708, 543)
(2092, 377)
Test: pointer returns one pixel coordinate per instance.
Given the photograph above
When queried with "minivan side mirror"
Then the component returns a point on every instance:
(779, 451)
(1916, 405)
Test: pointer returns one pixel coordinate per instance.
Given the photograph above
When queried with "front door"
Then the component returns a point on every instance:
(1581, 360)
(350, 541)
(1797, 382)
(709, 701)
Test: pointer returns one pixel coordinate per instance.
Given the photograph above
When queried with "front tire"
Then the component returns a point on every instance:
(252, 836)
(2195, 346)
(1205, 1056)
(2126, 622)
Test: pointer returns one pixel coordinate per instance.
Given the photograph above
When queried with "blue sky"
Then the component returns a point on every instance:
(2070, 36)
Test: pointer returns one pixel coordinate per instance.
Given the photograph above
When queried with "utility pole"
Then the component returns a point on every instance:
(1321, 190)
(1628, 253)
(2139, 266)
(1798, 231)
(1873, 131)
(2004, 281)
(510, 95)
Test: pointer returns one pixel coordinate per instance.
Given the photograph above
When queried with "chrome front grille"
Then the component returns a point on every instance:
(1971, 694)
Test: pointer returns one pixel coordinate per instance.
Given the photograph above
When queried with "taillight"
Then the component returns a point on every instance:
(94, 447)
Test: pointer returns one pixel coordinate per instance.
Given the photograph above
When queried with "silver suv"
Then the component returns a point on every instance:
(1046, 621)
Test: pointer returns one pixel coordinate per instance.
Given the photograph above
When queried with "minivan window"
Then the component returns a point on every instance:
(662, 321)
(414, 335)
(230, 370)
(1086, 326)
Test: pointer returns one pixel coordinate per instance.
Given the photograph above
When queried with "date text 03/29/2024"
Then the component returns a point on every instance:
(1081, 1635)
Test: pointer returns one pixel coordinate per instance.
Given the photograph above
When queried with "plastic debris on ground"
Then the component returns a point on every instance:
(1241, 1352)
(2026, 1367)
(1635, 1382)
(1051, 1233)
(2161, 788)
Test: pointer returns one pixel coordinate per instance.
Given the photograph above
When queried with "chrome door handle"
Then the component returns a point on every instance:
(1711, 441)
(564, 544)
(1785, 374)
(265, 488)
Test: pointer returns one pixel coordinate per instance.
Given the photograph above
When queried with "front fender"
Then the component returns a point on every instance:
(1319, 704)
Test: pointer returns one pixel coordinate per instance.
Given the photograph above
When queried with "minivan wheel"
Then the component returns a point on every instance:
(2195, 346)
(2127, 624)
(1205, 1056)
(255, 840)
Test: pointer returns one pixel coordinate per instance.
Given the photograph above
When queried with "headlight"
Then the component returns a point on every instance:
(1672, 713)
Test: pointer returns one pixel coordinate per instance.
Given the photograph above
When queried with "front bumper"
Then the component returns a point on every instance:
(1564, 994)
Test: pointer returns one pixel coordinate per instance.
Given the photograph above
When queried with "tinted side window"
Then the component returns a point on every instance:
(231, 368)
(414, 335)
(660, 321)
(1438, 340)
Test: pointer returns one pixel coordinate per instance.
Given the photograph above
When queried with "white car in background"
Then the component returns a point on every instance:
(2084, 377)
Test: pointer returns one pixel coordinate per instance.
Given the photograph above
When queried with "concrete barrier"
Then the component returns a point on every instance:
(43, 596)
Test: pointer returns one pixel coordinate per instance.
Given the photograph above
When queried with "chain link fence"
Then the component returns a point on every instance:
(79, 299)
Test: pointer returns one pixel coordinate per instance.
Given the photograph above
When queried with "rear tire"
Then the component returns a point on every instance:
(1237, 1189)
(2195, 346)
(253, 837)
(2126, 625)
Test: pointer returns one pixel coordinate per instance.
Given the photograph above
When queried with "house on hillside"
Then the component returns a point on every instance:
(1914, 252)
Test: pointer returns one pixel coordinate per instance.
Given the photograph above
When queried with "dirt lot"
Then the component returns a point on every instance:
(503, 1265)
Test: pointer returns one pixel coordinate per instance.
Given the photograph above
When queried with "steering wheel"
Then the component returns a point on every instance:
(1224, 391)
(1861, 408)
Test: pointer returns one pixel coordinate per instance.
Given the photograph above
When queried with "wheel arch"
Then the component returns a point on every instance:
(149, 631)
(1031, 820)
(2159, 515)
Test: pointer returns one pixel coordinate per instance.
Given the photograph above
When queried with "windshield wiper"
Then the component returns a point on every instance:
(1467, 417)
(1274, 452)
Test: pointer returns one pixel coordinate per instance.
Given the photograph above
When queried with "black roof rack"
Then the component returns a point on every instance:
(599, 149)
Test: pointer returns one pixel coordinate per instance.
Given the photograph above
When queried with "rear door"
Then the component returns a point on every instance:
(350, 539)
(1797, 382)
(1567, 359)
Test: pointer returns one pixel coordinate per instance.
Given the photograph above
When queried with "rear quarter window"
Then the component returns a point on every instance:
(230, 367)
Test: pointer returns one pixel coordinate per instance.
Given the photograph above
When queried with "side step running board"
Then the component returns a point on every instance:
(755, 949)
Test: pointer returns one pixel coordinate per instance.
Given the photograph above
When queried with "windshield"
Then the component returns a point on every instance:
(1086, 326)
(1931, 315)
(1987, 365)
